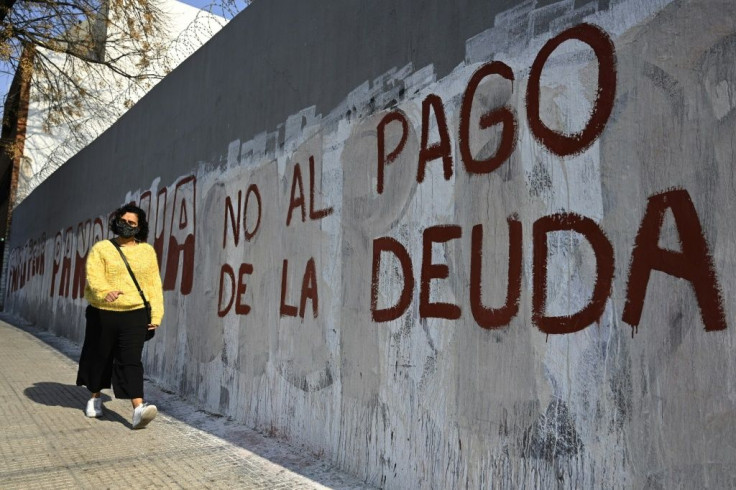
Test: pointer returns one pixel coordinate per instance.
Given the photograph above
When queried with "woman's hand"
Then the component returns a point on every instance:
(151, 326)
(112, 296)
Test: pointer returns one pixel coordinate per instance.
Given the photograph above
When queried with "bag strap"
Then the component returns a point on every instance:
(140, 291)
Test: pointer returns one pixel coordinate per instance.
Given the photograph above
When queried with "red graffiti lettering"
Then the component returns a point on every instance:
(13, 279)
(495, 317)
(110, 233)
(98, 231)
(84, 242)
(236, 292)
(286, 309)
(309, 290)
(66, 263)
(428, 309)
(502, 115)
(297, 201)
(389, 245)
(145, 203)
(58, 254)
(315, 214)
(559, 143)
(294, 201)
(441, 149)
(604, 276)
(383, 158)
(160, 224)
(182, 237)
(242, 308)
(22, 265)
(225, 270)
(249, 234)
(234, 220)
(693, 263)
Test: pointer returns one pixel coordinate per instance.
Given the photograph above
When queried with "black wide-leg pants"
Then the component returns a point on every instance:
(113, 343)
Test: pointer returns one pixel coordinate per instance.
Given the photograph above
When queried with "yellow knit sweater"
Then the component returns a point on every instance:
(106, 272)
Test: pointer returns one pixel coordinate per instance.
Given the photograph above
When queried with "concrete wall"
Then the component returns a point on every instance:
(437, 271)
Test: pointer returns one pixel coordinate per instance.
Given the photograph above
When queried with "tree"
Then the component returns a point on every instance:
(68, 58)
(89, 62)
(60, 46)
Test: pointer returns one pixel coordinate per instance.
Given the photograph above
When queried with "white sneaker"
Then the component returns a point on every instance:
(143, 414)
(94, 407)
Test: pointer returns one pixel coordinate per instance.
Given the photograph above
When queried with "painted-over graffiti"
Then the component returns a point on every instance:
(175, 227)
(508, 266)
(694, 263)
(25, 263)
(66, 268)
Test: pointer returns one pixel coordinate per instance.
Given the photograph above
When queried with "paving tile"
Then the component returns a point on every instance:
(47, 442)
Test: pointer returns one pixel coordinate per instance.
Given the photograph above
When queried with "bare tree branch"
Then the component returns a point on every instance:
(5, 7)
(93, 59)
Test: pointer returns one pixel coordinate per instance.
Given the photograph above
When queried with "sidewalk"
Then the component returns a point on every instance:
(47, 442)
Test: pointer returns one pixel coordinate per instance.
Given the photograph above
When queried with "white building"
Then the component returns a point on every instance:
(48, 145)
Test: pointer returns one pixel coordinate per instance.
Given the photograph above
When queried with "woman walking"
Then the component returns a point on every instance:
(125, 307)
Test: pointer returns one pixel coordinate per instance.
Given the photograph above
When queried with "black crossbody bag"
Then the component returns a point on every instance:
(149, 333)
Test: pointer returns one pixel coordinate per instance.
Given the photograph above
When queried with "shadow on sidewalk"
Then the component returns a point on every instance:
(71, 396)
(68, 396)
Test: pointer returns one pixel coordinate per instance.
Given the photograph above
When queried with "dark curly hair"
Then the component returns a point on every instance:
(142, 234)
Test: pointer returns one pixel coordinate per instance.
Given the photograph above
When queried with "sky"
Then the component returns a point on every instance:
(216, 6)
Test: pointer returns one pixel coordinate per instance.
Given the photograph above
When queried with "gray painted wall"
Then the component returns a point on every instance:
(570, 318)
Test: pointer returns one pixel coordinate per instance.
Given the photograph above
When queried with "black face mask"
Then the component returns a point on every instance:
(125, 230)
